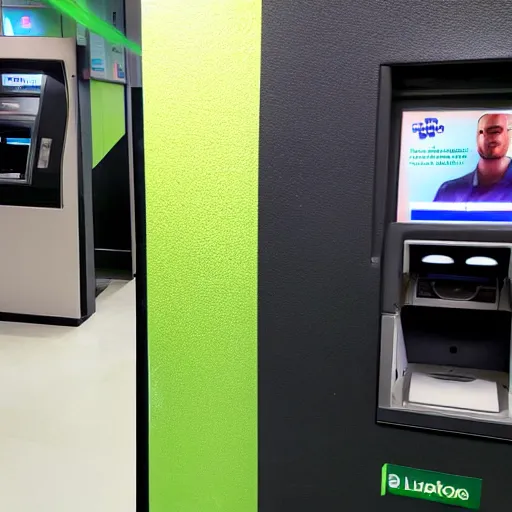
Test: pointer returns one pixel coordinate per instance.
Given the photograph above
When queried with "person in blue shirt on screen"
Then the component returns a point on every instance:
(491, 181)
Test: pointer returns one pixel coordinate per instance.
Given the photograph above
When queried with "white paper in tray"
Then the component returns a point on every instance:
(476, 395)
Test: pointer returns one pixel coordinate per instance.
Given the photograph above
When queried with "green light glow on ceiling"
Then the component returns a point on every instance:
(78, 11)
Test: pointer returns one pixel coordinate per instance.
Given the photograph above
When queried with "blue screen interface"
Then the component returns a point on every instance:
(12, 82)
(17, 142)
(35, 22)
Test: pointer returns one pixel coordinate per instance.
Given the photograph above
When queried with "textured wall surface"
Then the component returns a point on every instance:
(201, 71)
(107, 117)
(320, 448)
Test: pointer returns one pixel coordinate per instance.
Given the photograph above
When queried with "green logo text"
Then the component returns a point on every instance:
(428, 485)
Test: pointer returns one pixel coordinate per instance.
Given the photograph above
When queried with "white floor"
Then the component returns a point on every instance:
(67, 411)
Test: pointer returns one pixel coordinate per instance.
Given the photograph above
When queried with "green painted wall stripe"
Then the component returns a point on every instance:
(201, 69)
(108, 122)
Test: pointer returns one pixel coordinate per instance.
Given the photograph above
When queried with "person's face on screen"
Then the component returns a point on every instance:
(493, 136)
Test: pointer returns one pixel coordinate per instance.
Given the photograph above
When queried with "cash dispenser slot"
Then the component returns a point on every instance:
(446, 325)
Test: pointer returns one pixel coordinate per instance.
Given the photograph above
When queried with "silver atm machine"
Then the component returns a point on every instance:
(446, 259)
(45, 266)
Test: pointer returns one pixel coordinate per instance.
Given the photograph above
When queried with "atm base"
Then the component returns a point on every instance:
(43, 320)
(415, 420)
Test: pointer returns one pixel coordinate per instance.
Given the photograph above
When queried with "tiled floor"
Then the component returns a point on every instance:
(67, 411)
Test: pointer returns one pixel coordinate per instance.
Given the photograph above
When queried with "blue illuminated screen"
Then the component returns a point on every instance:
(22, 82)
(455, 166)
(17, 141)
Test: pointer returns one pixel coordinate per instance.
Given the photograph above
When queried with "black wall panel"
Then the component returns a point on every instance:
(320, 447)
(112, 215)
(141, 297)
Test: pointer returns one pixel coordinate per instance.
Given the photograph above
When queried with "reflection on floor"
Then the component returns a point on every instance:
(67, 411)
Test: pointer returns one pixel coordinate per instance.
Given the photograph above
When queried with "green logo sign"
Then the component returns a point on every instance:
(459, 491)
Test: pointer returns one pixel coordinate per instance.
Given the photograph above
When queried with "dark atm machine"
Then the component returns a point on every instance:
(444, 176)
(42, 257)
(31, 103)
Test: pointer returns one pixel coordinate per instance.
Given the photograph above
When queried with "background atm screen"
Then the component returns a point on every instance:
(13, 82)
(455, 166)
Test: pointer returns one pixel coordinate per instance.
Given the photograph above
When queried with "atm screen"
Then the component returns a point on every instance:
(21, 83)
(455, 166)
